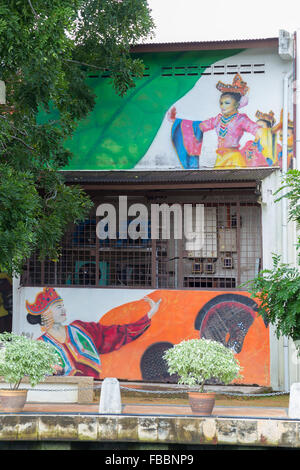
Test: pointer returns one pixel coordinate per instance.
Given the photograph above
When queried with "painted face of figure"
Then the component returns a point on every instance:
(228, 105)
(58, 312)
(290, 136)
(262, 123)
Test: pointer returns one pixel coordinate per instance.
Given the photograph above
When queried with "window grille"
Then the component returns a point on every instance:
(230, 255)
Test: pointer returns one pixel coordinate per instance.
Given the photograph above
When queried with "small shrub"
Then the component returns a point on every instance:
(198, 360)
(23, 357)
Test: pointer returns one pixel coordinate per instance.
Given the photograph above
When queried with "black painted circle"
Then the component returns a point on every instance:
(153, 366)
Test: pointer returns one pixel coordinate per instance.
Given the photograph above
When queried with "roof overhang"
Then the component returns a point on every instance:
(164, 179)
(206, 45)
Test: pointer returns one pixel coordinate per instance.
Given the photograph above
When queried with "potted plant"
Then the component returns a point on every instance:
(23, 357)
(196, 361)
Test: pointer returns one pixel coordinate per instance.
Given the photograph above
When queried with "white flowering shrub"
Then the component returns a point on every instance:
(197, 360)
(23, 357)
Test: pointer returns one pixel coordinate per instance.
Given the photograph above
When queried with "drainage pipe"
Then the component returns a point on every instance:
(285, 212)
(297, 99)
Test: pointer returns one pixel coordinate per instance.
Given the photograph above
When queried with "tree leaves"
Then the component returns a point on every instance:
(278, 292)
(278, 289)
(43, 47)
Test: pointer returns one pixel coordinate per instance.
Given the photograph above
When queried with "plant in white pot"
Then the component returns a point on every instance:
(22, 357)
(196, 361)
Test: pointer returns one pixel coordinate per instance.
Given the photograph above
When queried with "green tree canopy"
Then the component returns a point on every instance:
(46, 46)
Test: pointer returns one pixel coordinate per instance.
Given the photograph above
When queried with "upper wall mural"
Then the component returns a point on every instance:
(230, 124)
(191, 110)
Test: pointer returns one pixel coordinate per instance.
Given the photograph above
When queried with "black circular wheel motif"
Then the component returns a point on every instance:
(227, 319)
(153, 366)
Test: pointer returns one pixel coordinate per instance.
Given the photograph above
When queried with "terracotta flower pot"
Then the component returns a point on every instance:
(12, 400)
(202, 403)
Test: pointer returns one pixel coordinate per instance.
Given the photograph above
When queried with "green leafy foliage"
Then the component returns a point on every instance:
(278, 293)
(278, 289)
(46, 47)
(23, 357)
(198, 360)
(290, 189)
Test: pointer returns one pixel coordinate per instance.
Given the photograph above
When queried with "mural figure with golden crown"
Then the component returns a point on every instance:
(277, 131)
(230, 125)
(81, 343)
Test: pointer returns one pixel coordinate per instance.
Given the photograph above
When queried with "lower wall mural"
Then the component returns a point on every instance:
(123, 333)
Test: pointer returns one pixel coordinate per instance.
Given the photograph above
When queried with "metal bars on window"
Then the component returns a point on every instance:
(231, 254)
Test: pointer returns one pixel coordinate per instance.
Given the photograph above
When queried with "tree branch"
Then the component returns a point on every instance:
(86, 65)
(14, 127)
(22, 142)
(32, 9)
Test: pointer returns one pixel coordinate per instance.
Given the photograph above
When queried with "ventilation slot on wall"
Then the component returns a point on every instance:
(146, 72)
(259, 68)
(107, 74)
(226, 69)
(167, 71)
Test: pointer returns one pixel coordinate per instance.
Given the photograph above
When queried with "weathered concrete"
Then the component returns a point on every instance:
(138, 389)
(152, 429)
(294, 401)
(59, 389)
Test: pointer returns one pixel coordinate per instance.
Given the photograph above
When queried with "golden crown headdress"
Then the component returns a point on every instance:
(269, 117)
(42, 301)
(280, 124)
(237, 86)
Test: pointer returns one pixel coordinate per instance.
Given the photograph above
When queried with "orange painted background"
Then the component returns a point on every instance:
(175, 320)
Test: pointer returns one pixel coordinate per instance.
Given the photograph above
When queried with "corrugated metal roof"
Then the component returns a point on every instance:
(166, 176)
(205, 45)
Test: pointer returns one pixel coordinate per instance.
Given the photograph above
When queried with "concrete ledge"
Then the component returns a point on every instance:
(137, 389)
(154, 430)
(59, 389)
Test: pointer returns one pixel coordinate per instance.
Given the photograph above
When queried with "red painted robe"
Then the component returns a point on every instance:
(85, 341)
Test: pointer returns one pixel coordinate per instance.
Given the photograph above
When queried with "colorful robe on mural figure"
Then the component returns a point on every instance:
(262, 152)
(230, 131)
(277, 130)
(187, 138)
(84, 341)
(290, 155)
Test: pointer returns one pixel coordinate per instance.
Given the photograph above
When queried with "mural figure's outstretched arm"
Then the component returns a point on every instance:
(172, 114)
(154, 306)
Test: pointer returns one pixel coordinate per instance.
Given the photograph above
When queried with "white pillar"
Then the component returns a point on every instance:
(110, 397)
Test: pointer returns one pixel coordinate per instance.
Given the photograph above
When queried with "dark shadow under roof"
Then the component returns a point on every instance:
(102, 177)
